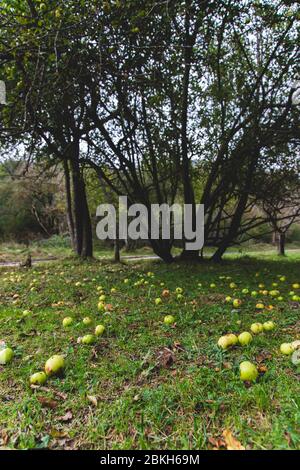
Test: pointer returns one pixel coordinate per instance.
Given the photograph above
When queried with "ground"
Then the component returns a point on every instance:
(146, 385)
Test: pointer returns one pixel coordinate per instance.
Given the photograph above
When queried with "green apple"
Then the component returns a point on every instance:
(179, 296)
(296, 286)
(245, 291)
(86, 321)
(99, 330)
(101, 306)
(179, 290)
(224, 342)
(212, 285)
(269, 325)
(6, 356)
(228, 299)
(237, 303)
(88, 339)
(54, 365)
(227, 340)
(232, 285)
(26, 313)
(67, 321)
(274, 293)
(158, 301)
(254, 293)
(126, 281)
(39, 378)
(286, 348)
(245, 338)
(248, 371)
(169, 320)
(256, 328)
(102, 298)
(233, 339)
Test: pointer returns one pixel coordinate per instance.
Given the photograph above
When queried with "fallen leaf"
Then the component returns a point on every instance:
(92, 399)
(47, 402)
(231, 442)
(67, 417)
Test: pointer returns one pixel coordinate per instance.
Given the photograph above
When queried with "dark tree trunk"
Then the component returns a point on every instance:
(281, 244)
(83, 239)
(70, 220)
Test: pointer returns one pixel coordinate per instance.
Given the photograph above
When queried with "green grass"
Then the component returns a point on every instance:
(143, 401)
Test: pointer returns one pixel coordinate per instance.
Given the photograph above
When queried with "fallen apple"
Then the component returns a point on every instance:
(232, 285)
(286, 348)
(101, 306)
(102, 298)
(245, 291)
(228, 299)
(178, 290)
(165, 293)
(169, 320)
(212, 285)
(269, 325)
(179, 296)
(88, 339)
(227, 340)
(86, 321)
(158, 301)
(99, 330)
(67, 321)
(296, 286)
(260, 306)
(256, 328)
(39, 378)
(248, 371)
(254, 293)
(54, 365)
(245, 338)
(237, 303)
(6, 356)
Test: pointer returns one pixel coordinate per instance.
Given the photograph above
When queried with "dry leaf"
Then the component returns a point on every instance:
(67, 417)
(231, 442)
(47, 402)
(92, 399)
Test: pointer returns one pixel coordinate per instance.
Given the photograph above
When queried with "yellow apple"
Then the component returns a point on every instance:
(39, 378)
(286, 348)
(99, 330)
(256, 328)
(248, 371)
(245, 338)
(54, 365)
(169, 320)
(6, 356)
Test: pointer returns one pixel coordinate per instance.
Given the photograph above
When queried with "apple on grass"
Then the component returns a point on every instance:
(227, 340)
(88, 339)
(256, 328)
(158, 301)
(269, 325)
(248, 371)
(86, 321)
(228, 299)
(286, 349)
(39, 378)
(67, 321)
(237, 303)
(245, 338)
(99, 330)
(6, 356)
(54, 365)
(169, 320)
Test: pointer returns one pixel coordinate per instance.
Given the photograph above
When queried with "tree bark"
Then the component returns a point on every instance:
(70, 220)
(83, 239)
(281, 244)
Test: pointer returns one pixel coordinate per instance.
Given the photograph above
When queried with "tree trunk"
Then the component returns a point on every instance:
(83, 242)
(70, 220)
(281, 244)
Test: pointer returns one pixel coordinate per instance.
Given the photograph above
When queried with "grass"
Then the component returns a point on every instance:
(144, 385)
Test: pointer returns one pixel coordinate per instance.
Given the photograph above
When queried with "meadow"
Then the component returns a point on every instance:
(145, 384)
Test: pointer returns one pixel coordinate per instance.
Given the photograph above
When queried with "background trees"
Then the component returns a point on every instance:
(163, 100)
